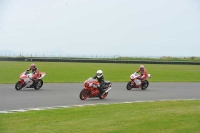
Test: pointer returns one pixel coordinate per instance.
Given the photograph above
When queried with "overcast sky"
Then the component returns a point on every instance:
(101, 27)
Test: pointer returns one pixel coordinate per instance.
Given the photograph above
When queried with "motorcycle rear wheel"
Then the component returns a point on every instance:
(145, 84)
(84, 94)
(103, 96)
(128, 86)
(18, 86)
(38, 84)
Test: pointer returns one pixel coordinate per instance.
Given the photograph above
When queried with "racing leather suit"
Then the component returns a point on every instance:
(143, 74)
(35, 72)
(101, 82)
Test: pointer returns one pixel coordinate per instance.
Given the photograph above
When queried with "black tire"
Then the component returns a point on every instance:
(128, 86)
(18, 86)
(103, 96)
(38, 84)
(84, 94)
(145, 84)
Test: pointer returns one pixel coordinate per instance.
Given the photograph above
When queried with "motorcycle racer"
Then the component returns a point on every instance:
(35, 71)
(143, 73)
(99, 76)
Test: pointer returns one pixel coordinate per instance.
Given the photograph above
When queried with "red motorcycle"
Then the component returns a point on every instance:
(137, 83)
(91, 90)
(25, 81)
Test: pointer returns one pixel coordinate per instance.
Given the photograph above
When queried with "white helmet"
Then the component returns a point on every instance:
(99, 73)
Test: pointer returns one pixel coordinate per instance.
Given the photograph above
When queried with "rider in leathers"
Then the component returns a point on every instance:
(143, 73)
(35, 71)
(100, 78)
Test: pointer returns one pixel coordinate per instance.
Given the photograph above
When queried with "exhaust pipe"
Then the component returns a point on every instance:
(108, 90)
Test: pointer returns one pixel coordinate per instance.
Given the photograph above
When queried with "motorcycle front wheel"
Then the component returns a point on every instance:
(84, 94)
(18, 86)
(128, 86)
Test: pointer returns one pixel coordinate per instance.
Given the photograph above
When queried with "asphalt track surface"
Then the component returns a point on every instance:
(67, 94)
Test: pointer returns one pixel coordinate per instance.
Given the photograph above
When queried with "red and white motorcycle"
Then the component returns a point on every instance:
(25, 81)
(137, 83)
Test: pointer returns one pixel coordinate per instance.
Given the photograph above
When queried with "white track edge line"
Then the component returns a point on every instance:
(82, 105)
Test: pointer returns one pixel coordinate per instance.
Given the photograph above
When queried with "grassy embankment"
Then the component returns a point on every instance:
(61, 72)
(164, 58)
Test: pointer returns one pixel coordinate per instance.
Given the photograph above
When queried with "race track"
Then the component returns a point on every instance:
(67, 94)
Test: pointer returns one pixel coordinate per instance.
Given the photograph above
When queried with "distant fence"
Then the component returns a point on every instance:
(12, 59)
(98, 61)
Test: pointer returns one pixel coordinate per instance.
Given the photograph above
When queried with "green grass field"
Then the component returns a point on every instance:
(61, 72)
(148, 117)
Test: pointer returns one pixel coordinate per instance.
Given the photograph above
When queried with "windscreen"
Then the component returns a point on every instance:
(90, 79)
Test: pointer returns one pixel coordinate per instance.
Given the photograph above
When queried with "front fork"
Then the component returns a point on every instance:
(132, 83)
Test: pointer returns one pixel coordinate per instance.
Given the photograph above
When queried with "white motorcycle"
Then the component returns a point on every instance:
(26, 81)
(137, 83)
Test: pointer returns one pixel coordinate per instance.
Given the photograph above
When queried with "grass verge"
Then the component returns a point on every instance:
(163, 58)
(155, 117)
(60, 72)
